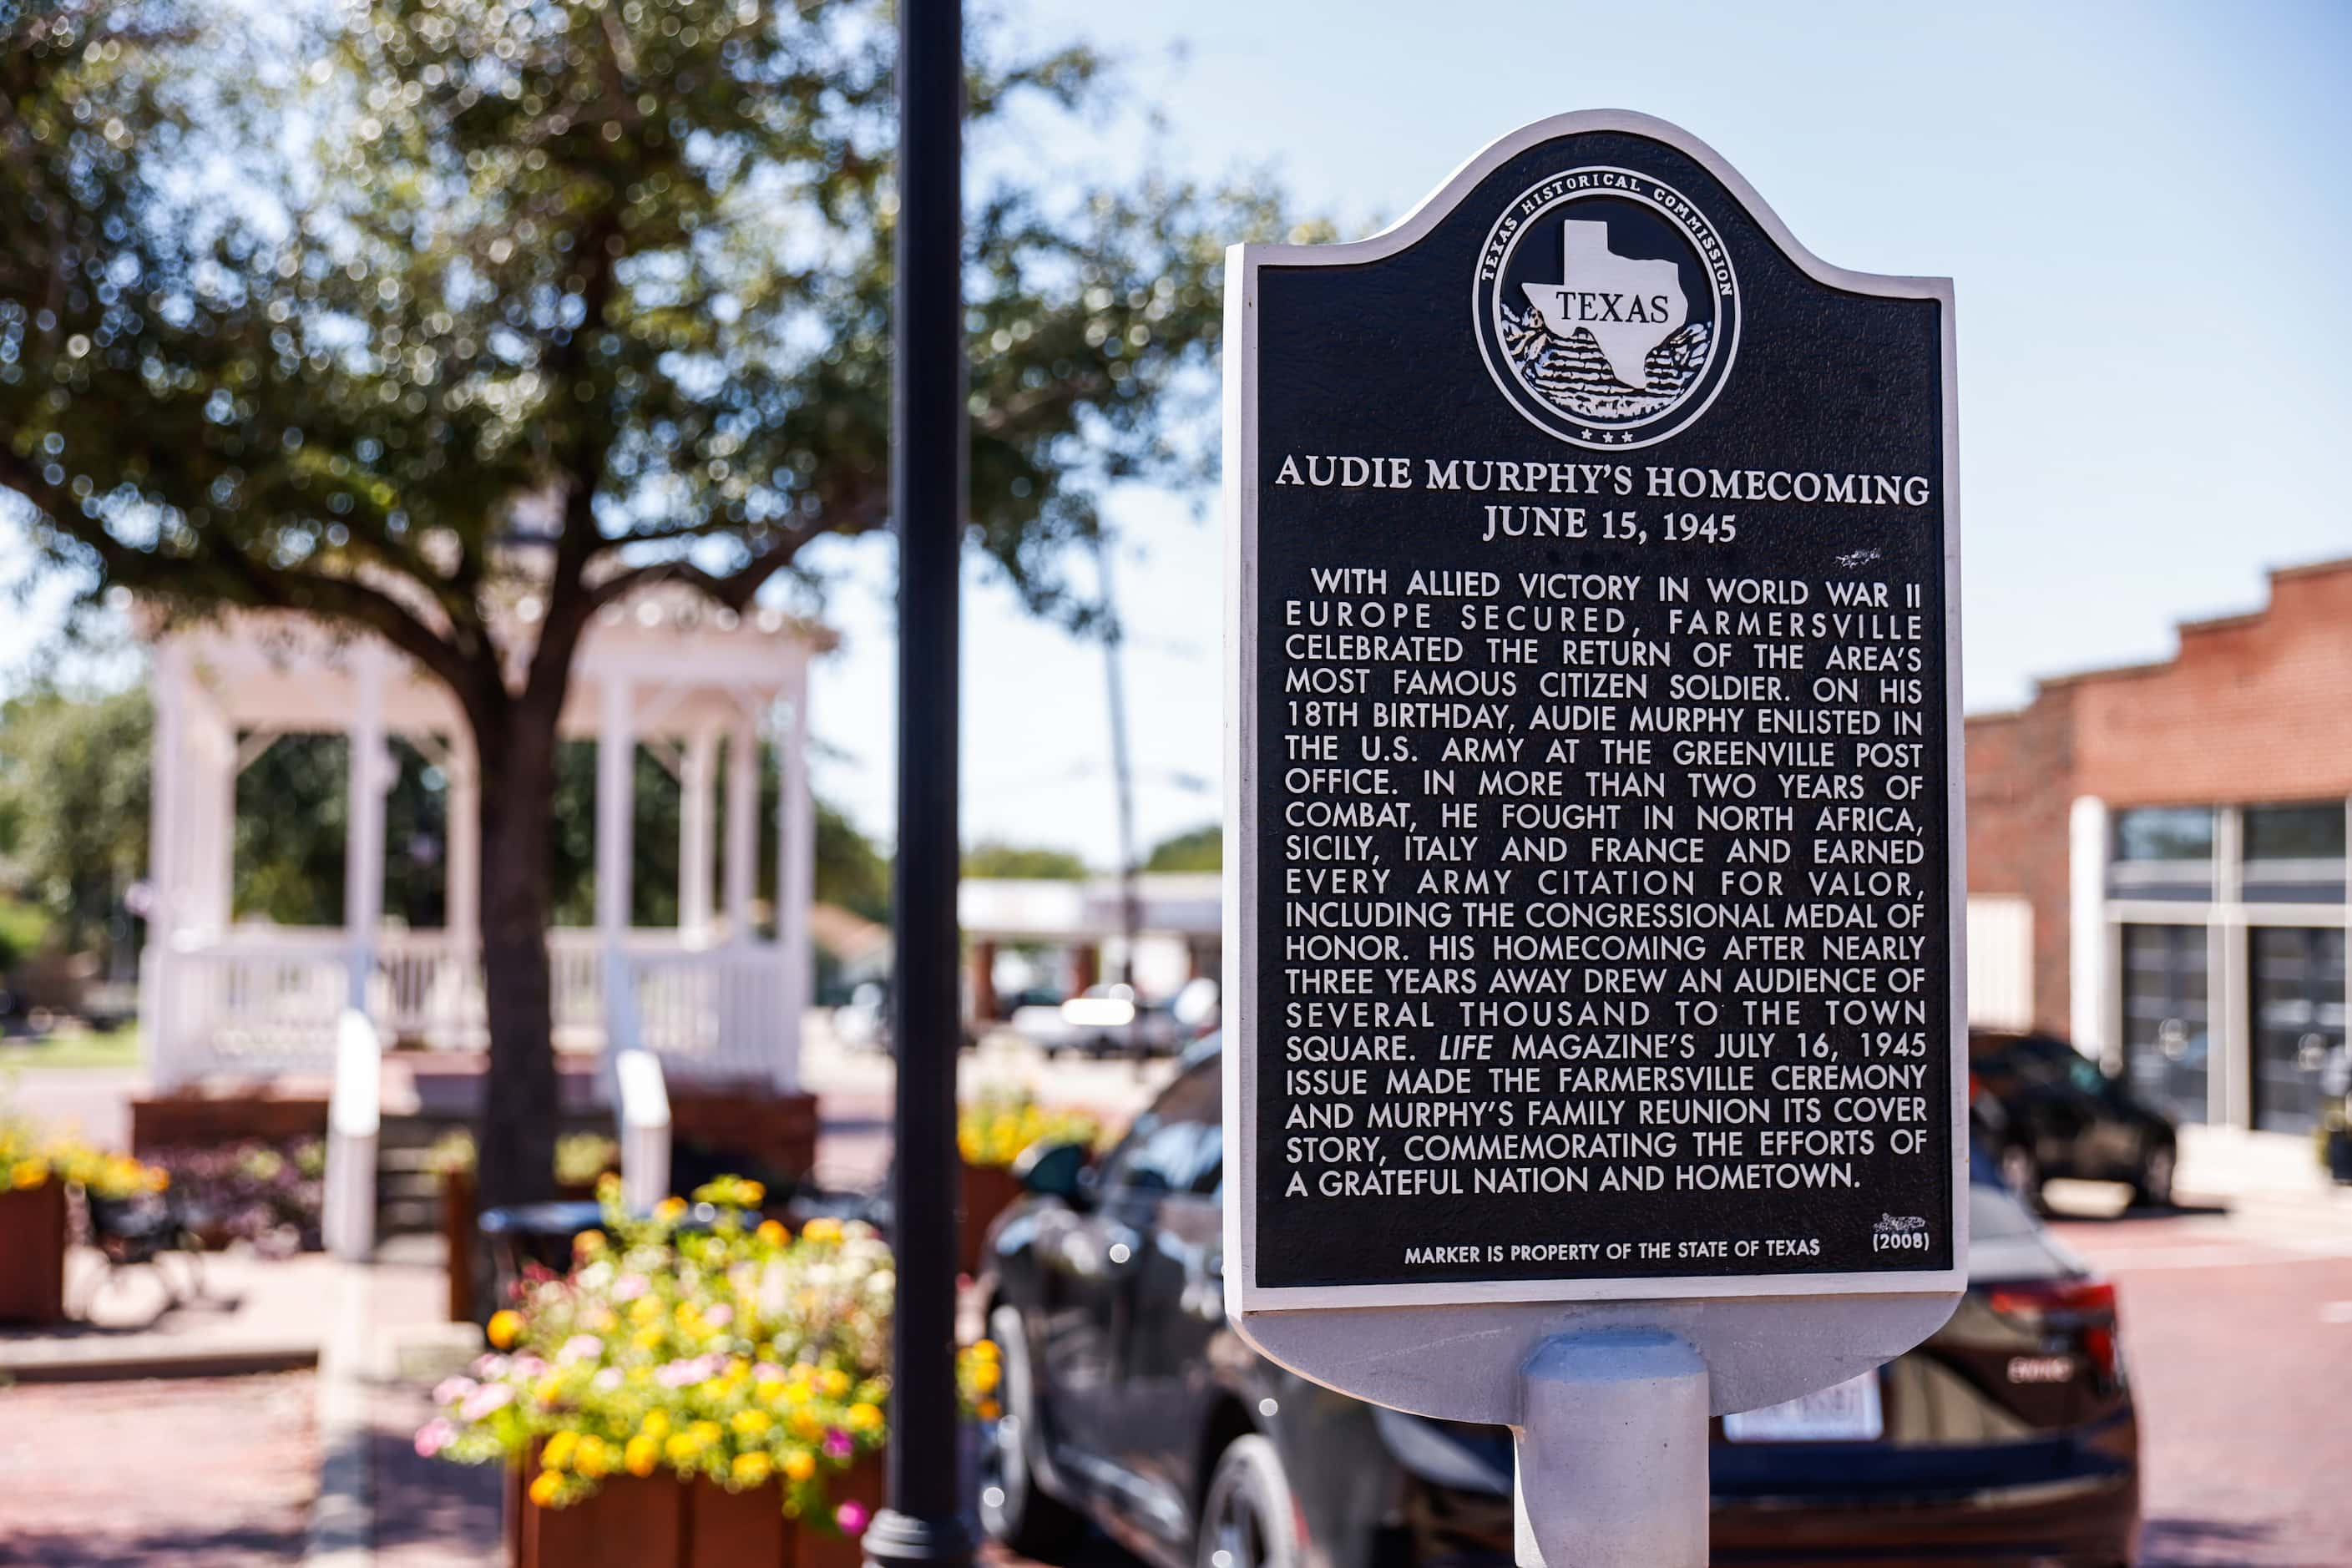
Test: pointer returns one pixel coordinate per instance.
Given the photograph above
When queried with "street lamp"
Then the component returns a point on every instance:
(924, 1522)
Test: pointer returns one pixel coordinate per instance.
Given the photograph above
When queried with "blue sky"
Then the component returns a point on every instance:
(2145, 209)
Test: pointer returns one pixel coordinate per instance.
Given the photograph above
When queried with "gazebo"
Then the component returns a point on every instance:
(700, 687)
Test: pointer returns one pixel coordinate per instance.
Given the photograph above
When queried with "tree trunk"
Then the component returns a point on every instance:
(521, 1101)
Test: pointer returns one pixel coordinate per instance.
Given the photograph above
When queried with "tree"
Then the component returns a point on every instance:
(297, 310)
(73, 806)
(1022, 862)
(1201, 848)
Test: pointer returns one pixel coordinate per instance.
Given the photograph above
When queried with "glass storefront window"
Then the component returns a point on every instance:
(2166, 1048)
(2164, 833)
(2296, 832)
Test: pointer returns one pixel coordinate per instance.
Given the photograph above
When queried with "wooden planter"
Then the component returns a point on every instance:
(987, 1191)
(659, 1521)
(33, 1254)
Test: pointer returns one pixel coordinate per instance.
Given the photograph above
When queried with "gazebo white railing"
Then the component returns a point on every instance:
(711, 997)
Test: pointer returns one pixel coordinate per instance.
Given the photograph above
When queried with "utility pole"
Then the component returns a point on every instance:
(924, 1522)
(1122, 767)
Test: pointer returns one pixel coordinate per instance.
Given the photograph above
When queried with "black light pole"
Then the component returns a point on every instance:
(924, 1522)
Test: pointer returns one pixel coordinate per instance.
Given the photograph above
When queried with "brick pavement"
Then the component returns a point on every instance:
(200, 1473)
(2237, 1331)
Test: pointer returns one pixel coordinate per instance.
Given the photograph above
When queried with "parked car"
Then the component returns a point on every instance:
(1102, 1021)
(1128, 1401)
(2044, 1109)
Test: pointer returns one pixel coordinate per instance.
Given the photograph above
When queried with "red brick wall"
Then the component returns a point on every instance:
(2255, 708)
(2021, 790)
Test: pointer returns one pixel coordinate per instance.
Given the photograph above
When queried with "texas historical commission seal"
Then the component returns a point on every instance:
(1606, 307)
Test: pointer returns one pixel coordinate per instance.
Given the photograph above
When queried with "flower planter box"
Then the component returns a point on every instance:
(987, 1191)
(659, 1521)
(33, 1254)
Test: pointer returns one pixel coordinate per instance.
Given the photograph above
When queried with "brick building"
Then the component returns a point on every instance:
(2177, 832)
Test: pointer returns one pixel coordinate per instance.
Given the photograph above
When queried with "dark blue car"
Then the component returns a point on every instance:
(2008, 1438)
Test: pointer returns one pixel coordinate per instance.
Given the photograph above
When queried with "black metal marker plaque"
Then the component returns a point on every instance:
(1595, 906)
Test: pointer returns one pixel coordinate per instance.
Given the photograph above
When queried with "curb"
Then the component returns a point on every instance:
(101, 1365)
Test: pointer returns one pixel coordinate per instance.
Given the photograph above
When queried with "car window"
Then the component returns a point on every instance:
(1174, 1142)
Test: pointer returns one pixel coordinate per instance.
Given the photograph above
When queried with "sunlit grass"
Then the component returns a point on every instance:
(109, 1048)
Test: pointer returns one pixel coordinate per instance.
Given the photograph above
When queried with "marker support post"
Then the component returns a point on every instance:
(1610, 1454)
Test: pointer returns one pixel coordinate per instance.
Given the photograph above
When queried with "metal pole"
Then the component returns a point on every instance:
(1130, 902)
(1611, 1449)
(924, 1522)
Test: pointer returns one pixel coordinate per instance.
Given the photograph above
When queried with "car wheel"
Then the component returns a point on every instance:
(1013, 1508)
(2021, 1173)
(1248, 1519)
(2154, 1187)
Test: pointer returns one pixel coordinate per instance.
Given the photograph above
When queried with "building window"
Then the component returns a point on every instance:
(2164, 833)
(2296, 832)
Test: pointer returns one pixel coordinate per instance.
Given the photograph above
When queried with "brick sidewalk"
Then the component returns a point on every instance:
(201, 1473)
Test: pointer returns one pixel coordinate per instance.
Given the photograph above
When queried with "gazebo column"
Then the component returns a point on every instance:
(616, 774)
(743, 826)
(363, 818)
(795, 875)
(699, 787)
(461, 884)
(163, 1014)
(210, 827)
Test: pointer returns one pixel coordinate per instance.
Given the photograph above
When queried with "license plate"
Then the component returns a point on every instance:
(1848, 1413)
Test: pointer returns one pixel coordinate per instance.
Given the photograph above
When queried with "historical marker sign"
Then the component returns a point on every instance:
(1595, 910)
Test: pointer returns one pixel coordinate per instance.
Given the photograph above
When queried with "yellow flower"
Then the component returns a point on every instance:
(772, 1233)
(668, 1210)
(865, 1416)
(656, 1424)
(805, 1423)
(833, 1381)
(645, 1309)
(588, 1242)
(557, 1456)
(545, 1488)
(646, 1339)
(681, 1447)
(706, 1432)
(752, 1423)
(641, 1456)
(30, 1173)
(506, 1327)
(984, 1376)
(593, 1458)
(822, 1228)
(750, 1469)
(985, 1350)
(990, 1410)
(799, 1464)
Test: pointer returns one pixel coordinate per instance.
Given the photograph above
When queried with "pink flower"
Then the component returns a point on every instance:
(483, 1401)
(718, 1317)
(839, 1445)
(450, 1390)
(851, 1517)
(434, 1437)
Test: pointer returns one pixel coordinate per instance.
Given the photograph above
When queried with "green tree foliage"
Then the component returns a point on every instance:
(1199, 849)
(1023, 862)
(74, 804)
(296, 306)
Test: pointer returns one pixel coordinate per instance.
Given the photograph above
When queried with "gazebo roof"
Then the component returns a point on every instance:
(694, 664)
